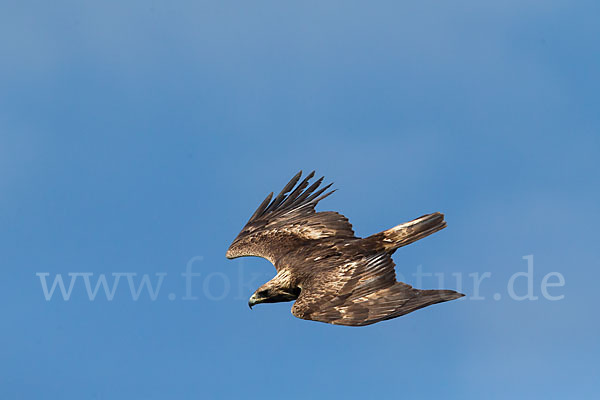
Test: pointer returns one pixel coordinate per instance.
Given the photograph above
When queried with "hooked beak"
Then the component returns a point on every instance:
(252, 301)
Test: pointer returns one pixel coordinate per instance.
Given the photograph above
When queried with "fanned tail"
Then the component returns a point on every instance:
(407, 233)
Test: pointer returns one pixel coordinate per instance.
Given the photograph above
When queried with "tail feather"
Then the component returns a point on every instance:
(407, 233)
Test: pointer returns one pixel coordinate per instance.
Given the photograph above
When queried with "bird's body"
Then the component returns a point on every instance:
(334, 276)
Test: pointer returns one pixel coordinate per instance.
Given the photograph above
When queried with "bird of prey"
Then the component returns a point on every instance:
(334, 276)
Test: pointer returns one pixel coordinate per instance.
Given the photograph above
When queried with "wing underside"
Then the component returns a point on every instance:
(290, 221)
(363, 292)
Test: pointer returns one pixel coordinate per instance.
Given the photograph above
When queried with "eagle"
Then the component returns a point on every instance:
(333, 276)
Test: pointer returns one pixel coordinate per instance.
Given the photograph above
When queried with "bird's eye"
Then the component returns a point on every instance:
(263, 293)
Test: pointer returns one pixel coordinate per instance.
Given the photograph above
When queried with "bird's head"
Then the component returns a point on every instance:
(271, 292)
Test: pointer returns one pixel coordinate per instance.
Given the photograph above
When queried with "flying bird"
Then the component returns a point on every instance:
(334, 276)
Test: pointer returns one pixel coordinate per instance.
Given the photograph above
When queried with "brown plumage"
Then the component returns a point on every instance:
(334, 276)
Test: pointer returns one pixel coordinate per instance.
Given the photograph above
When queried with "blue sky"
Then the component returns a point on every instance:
(137, 136)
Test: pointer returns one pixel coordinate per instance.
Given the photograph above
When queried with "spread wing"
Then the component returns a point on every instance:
(362, 292)
(289, 221)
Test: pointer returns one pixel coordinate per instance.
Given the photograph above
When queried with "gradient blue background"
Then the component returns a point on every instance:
(135, 135)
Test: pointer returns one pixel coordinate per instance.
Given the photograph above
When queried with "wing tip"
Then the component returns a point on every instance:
(294, 195)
